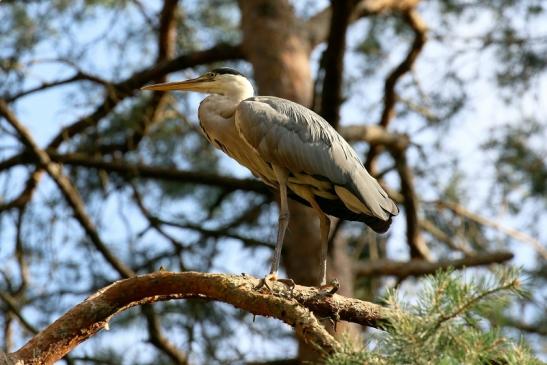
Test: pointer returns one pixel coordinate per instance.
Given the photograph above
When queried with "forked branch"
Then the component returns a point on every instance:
(298, 308)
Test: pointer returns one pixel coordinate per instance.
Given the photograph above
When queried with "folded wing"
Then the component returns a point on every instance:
(289, 135)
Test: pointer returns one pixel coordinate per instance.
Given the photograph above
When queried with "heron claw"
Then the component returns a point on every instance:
(330, 288)
(289, 283)
(263, 283)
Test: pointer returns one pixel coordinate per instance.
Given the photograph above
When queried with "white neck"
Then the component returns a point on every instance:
(237, 88)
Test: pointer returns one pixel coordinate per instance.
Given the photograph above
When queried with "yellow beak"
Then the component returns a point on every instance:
(197, 84)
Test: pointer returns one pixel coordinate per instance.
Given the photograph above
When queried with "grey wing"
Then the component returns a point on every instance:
(296, 138)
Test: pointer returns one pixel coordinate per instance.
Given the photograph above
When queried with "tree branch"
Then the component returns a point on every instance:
(78, 76)
(332, 61)
(68, 190)
(374, 134)
(317, 27)
(94, 314)
(404, 269)
(166, 173)
(159, 340)
(414, 20)
(119, 91)
(415, 240)
(521, 236)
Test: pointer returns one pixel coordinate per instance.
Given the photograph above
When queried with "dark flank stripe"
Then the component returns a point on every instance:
(337, 208)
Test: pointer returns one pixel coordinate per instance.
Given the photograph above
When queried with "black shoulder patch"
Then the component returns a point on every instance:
(227, 70)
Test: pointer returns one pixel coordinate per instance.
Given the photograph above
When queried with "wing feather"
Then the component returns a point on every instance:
(292, 136)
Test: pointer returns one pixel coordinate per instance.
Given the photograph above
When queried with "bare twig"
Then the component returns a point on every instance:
(414, 20)
(415, 240)
(69, 192)
(317, 28)
(165, 173)
(159, 340)
(437, 233)
(521, 236)
(26, 195)
(78, 76)
(404, 269)
(14, 308)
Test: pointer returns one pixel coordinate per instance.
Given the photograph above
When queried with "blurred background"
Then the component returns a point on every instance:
(445, 101)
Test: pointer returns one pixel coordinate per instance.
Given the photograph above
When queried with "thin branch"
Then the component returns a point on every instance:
(94, 314)
(159, 340)
(128, 169)
(317, 28)
(68, 190)
(521, 236)
(404, 269)
(374, 134)
(119, 91)
(414, 20)
(14, 308)
(462, 308)
(26, 195)
(441, 236)
(415, 240)
(78, 76)
(166, 48)
(166, 173)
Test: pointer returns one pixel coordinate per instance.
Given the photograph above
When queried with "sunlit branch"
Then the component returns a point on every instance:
(95, 313)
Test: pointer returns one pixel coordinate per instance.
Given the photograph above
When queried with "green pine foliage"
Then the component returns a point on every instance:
(447, 325)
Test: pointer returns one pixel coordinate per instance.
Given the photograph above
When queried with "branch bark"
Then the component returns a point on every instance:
(374, 134)
(299, 310)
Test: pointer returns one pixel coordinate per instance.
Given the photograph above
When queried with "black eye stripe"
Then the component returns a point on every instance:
(226, 70)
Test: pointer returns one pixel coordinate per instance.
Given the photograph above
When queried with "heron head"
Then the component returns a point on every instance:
(223, 81)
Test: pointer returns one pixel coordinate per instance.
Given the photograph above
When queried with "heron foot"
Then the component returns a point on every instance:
(330, 288)
(264, 283)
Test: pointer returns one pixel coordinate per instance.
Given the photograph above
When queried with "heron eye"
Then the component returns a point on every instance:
(210, 75)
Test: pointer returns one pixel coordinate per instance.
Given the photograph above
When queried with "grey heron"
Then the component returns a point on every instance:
(291, 149)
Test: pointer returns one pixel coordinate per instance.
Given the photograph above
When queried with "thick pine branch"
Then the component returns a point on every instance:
(298, 308)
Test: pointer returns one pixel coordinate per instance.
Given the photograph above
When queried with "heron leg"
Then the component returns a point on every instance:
(282, 177)
(324, 225)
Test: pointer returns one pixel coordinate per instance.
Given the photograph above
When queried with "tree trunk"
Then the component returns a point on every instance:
(276, 46)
